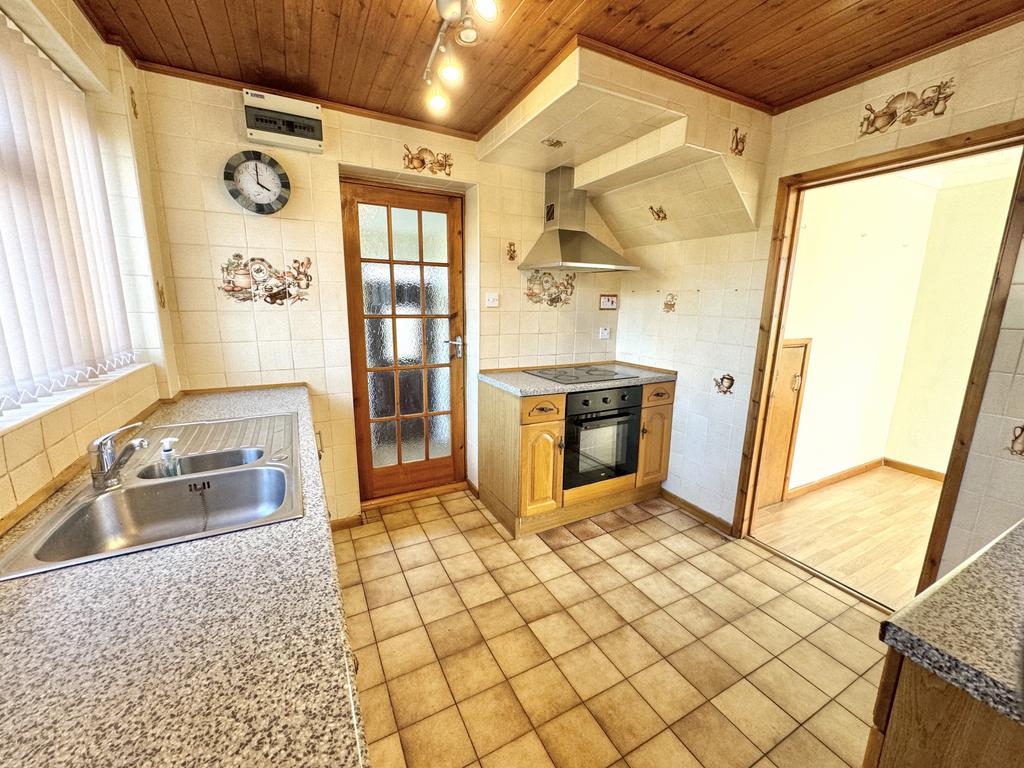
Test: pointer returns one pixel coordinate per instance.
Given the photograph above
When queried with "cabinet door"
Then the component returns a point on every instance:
(540, 470)
(655, 435)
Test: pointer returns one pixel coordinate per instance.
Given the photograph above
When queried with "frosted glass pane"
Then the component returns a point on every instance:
(410, 341)
(373, 231)
(435, 283)
(376, 289)
(440, 436)
(383, 443)
(439, 394)
(435, 236)
(380, 352)
(410, 391)
(405, 234)
(437, 340)
(407, 289)
(413, 442)
(381, 388)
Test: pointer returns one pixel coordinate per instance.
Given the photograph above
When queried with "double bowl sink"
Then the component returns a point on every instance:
(232, 474)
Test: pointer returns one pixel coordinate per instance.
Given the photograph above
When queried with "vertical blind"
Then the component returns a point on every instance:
(62, 308)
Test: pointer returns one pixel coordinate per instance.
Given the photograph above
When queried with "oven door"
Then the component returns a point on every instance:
(600, 446)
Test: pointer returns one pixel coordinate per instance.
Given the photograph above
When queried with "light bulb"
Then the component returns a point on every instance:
(450, 10)
(486, 9)
(467, 33)
(450, 70)
(437, 100)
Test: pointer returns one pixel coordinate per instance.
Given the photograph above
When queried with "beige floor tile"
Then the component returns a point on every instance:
(437, 603)
(535, 602)
(626, 718)
(801, 750)
(360, 631)
(496, 617)
(559, 537)
(663, 751)
(569, 589)
(575, 740)
(463, 566)
(525, 752)
(429, 512)
(683, 545)
(632, 537)
(788, 689)
(609, 521)
(370, 672)
(724, 602)
(660, 589)
(707, 536)
(714, 566)
(585, 529)
(389, 589)
(398, 516)
(387, 752)
(517, 650)
(792, 615)
(408, 536)
(498, 556)
(759, 718)
(378, 566)
(663, 632)
(394, 618)
(841, 732)
(694, 616)
(739, 555)
(544, 692)
(750, 589)
(739, 651)
(656, 529)
(633, 513)
(477, 590)
(547, 566)
(705, 669)
(606, 546)
(514, 577)
(405, 652)
(493, 718)
(558, 633)
(529, 546)
(629, 602)
(773, 576)
(844, 648)
(426, 577)
(714, 740)
(378, 718)
(451, 546)
(453, 634)
(596, 617)
(861, 626)
(372, 545)
(344, 552)
(483, 537)
(367, 530)
(631, 566)
(627, 650)
(689, 577)
(816, 601)
(678, 520)
(767, 632)
(578, 556)
(668, 692)
(588, 670)
(470, 671)
(419, 694)
(602, 577)
(440, 741)
(859, 699)
(420, 554)
(819, 668)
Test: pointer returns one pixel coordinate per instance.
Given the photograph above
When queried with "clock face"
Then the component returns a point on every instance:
(257, 182)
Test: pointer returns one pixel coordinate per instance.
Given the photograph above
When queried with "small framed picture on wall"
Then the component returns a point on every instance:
(609, 301)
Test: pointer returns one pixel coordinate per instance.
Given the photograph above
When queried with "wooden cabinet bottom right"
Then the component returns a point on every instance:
(655, 438)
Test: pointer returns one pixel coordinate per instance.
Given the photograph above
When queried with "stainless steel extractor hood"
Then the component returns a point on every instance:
(565, 245)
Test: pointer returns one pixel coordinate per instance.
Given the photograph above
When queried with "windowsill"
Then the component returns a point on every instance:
(27, 413)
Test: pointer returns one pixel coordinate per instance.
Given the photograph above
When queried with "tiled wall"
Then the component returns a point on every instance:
(40, 441)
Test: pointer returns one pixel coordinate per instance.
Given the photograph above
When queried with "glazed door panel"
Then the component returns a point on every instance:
(403, 267)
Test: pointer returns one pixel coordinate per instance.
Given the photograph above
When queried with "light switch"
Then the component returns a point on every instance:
(604, 333)
(491, 300)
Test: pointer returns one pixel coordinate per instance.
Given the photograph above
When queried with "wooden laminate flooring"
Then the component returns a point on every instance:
(869, 532)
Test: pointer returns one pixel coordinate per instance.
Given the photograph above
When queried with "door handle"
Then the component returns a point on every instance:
(457, 343)
(797, 381)
(643, 430)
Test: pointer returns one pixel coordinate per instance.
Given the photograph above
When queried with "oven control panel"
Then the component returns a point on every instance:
(603, 400)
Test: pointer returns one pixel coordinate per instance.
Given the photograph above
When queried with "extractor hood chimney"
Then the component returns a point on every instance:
(565, 245)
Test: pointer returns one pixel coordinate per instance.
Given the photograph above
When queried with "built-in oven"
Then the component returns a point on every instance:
(602, 435)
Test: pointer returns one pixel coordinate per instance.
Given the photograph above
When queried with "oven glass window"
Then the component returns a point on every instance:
(600, 447)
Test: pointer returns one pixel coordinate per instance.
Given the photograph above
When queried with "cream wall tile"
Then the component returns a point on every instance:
(23, 444)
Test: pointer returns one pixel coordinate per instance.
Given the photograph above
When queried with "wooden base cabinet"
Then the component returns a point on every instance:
(541, 461)
(655, 440)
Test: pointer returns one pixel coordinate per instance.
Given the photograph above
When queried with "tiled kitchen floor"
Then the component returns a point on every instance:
(638, 638)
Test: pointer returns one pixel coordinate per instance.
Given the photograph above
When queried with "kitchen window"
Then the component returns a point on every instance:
(62, 307)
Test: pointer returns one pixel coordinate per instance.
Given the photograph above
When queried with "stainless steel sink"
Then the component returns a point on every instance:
(205, 462)
(235, 474)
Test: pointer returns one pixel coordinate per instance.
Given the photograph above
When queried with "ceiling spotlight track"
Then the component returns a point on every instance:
(457, 18)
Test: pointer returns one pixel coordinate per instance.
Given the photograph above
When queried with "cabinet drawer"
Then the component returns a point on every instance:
(662, 393)
(537, 408)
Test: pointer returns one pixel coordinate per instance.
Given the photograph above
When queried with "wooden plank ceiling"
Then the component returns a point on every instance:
(371, 53)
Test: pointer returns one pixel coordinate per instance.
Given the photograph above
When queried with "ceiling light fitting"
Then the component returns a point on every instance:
(457, 16)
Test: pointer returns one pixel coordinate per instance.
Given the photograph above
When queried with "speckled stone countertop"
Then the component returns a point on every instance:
(525, 384)
(226, 651)
(968, 627)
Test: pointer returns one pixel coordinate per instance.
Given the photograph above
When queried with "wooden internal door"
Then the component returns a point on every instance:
(403, 270)
(783, 418)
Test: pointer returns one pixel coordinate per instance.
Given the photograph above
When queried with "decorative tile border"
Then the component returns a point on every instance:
(907, 107)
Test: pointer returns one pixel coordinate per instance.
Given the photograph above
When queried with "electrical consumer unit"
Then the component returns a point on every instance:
(283, 122)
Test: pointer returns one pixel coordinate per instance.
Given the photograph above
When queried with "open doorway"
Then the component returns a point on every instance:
(889, 286)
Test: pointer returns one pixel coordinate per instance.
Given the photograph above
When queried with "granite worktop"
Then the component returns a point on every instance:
(226, 651)
(968, 627)
(525, 384)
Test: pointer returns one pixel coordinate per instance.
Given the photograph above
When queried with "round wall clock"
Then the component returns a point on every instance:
(257, 182)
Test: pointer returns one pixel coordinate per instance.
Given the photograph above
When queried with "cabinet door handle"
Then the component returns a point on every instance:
(561, 444)
(643, 430)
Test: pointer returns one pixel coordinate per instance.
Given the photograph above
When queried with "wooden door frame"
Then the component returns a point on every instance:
(778, 282)
(455, 207)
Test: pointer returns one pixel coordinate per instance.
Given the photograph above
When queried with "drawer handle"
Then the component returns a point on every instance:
(543, 409)
(660, 393)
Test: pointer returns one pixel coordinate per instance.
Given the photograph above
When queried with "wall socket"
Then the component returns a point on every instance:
(604, 333)
(491, 300)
